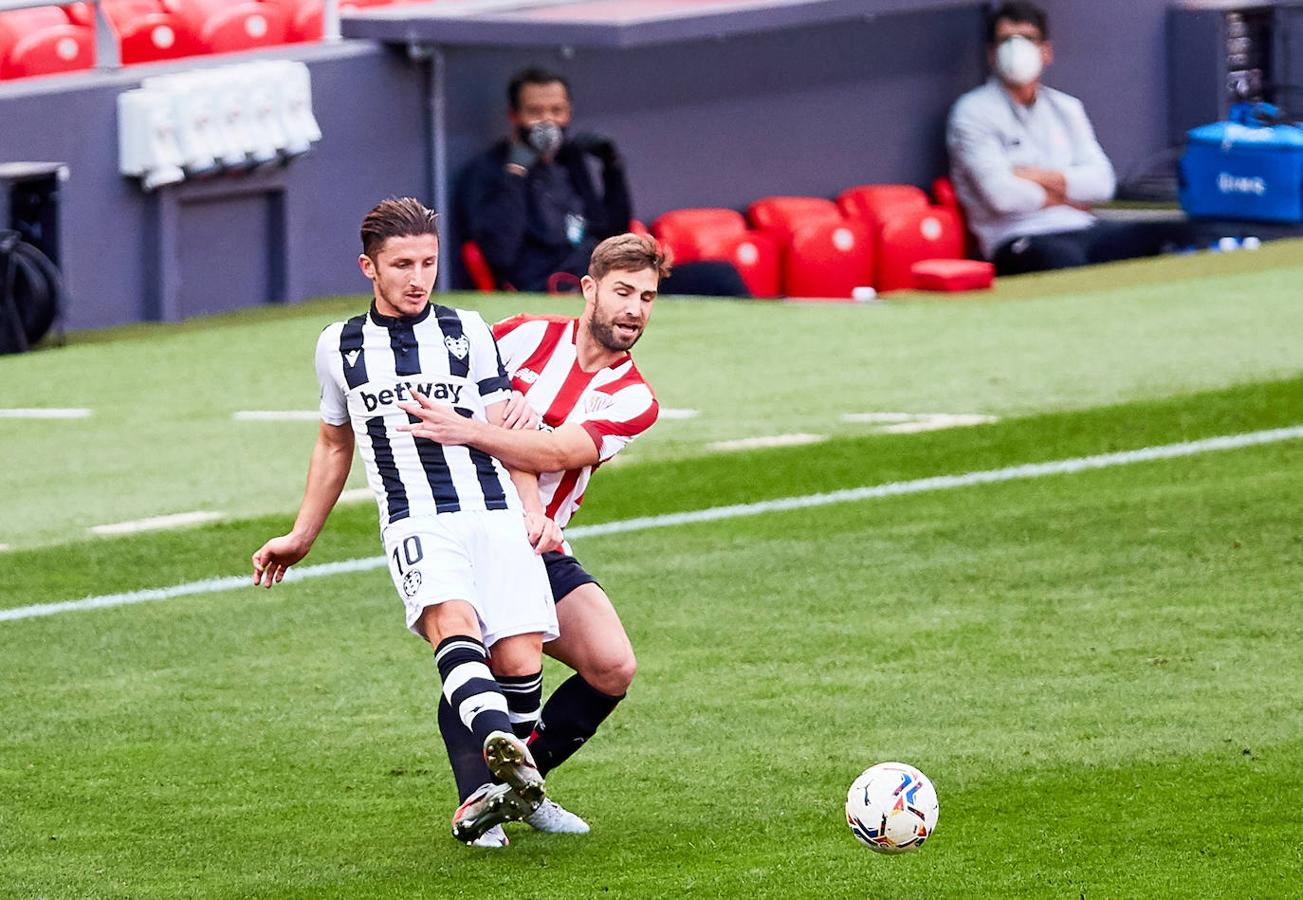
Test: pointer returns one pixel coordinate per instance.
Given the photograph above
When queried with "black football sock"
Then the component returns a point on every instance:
(469, 686)
(464, 755)
(524, 695)
(570, 717)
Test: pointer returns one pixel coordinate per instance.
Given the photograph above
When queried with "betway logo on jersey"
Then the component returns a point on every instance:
(1237, 184)
(401, 392)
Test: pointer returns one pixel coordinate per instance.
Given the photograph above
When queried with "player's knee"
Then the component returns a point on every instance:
(452, 617)
(520, 654)
(613, 675)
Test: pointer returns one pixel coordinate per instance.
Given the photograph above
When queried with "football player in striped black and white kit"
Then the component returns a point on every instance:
(463, 536)
(577, 376)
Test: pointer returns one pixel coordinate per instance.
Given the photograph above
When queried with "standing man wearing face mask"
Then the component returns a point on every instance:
(1026, 165)
(530, 201)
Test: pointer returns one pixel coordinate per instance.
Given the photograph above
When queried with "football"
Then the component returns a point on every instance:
(892, 808)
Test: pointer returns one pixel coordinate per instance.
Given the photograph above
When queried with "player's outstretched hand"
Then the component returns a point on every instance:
(439, 421)
(544, 534)
(519, 414)
(274, 559)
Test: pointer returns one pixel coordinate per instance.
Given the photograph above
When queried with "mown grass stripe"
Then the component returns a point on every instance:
(643, 523)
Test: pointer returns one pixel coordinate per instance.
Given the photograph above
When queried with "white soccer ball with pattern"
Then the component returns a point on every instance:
(892, 808)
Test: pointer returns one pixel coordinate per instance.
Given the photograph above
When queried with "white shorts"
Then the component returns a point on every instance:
(480, 556)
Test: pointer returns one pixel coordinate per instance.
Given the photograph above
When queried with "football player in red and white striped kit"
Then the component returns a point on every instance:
(577, 376)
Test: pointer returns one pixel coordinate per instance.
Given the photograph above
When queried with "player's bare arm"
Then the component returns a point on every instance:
(567, 447)
(544, 534)
(332, 457)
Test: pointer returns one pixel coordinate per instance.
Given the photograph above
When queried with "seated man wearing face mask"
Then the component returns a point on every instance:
(532, 205)
(1026, 165)
(530, 201)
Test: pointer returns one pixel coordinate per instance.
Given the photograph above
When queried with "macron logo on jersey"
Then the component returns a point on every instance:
(434, 390)
(351, 357)
(529, 376)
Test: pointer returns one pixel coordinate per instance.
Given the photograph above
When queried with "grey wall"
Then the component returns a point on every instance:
(720, 123)
(716, 123)
(1113, 55)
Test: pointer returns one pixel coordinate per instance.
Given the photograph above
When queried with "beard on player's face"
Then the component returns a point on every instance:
(606, 332)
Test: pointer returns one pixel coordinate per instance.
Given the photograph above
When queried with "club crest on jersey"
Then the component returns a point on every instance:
(457, 346)
(597, 402)
(411, 583)
(529, 376)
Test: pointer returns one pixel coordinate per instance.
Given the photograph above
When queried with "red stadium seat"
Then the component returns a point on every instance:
(695, 234)
(758, 259)
(80, 13)
(828, 259)
(146, 33)
(943, 192)
(823, 254)
(304, 19)
(875, 203)
(42, 40)
(223, 26)
(477, 267)
(637, 227)
(781, 216)
(910, 236)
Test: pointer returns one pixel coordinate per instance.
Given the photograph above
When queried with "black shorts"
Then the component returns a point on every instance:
(565, 574)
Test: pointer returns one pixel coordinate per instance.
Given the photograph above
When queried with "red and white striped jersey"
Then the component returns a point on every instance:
(614, 405)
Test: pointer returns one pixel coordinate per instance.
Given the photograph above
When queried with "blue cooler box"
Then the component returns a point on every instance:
(1244, 168)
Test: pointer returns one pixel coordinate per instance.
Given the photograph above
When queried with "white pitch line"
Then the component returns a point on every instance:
(44, 413)
(176, 520)
(356, 495)
(645, 523)
(276, 415)
(939, 422)
(772, 440)
(880, 418)
(669, 413)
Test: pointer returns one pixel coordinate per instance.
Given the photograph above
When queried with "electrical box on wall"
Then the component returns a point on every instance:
(226, 120)
(1221, 52)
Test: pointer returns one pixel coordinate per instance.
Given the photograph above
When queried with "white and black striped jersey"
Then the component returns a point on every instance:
(370, 363)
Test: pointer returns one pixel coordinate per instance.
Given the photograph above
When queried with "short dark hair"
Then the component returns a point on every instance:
(532, 75)
(1017, 11)
(396, 217)
(630, 253)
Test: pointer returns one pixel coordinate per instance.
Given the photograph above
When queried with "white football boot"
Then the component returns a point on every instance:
(551, 817)
(495, 837)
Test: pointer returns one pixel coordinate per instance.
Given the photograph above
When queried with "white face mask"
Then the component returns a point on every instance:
(1018, 60)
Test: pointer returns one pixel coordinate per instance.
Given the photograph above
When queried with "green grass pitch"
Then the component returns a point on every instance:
(1099, 671)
